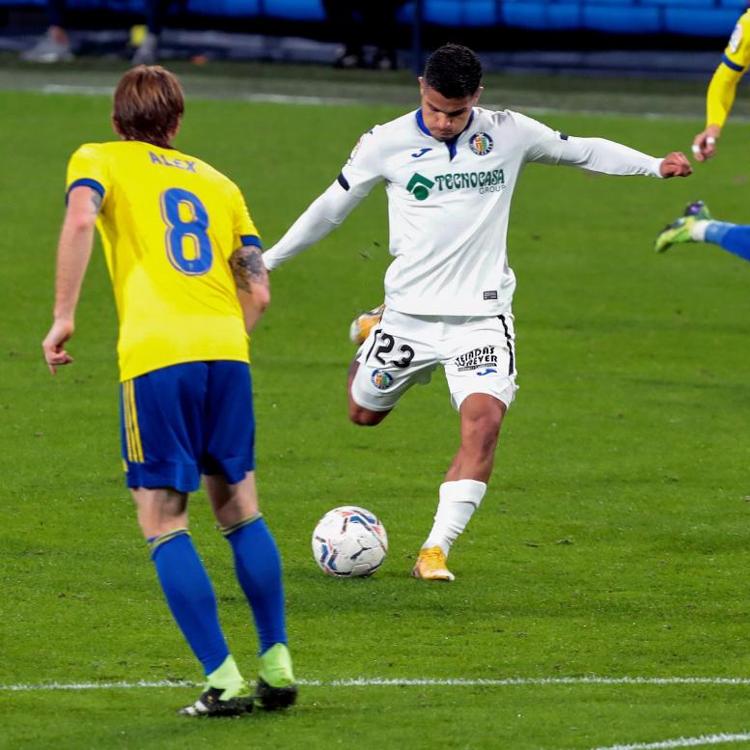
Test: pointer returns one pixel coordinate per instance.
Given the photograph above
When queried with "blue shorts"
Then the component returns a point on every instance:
(179, 422)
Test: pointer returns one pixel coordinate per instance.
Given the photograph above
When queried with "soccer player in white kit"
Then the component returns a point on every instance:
(450, 169)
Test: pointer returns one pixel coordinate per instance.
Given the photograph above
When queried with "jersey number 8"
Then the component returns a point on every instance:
(180, 229)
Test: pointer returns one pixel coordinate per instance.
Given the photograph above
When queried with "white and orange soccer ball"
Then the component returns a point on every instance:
(349, 541)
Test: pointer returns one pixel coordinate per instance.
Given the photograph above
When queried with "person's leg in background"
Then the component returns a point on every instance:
(345, 18)
(55, 45)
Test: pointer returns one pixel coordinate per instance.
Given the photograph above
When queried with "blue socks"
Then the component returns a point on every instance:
(190, 596)
(732, 237)
(258, 567)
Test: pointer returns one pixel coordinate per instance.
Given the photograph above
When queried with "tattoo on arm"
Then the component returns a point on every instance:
(248, 268)
(96, 201)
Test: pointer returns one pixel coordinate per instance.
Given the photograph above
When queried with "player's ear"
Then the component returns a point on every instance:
(421, 80)
(481, 89)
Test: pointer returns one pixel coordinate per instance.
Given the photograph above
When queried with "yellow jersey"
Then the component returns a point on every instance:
(734, 62)
(168, 223)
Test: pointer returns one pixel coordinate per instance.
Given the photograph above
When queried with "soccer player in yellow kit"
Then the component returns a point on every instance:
(696, 224)
(723, 88)
(189, 284)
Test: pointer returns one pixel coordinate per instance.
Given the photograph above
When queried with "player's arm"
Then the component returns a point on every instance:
(253, 288)
(328, 211)
(73, 255)
(609, 157)
(722, 90)
(323, 215)
(598, 154)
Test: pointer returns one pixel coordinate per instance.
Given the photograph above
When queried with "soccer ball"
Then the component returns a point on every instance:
(349, 541)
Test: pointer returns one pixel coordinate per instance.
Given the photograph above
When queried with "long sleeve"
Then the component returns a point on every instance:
(359, 175)
(323, 215)
(608, 157)
(593, 154)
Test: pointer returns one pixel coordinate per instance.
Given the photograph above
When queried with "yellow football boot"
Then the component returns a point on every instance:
(361, 326)
(431, 565)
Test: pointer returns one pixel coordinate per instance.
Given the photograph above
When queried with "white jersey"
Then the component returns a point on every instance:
(449, 204)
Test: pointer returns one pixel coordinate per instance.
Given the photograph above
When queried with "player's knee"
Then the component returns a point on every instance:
(365, 417)
(483, 431)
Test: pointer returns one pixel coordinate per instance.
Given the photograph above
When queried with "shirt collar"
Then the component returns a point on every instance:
(452, 143)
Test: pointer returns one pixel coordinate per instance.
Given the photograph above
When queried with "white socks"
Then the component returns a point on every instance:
(458, 501)
(698, 230)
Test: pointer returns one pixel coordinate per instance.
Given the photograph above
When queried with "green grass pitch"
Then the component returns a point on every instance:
(613, 541)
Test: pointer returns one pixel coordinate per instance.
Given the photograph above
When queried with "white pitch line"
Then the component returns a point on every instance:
(64, 88)
(400, 682)
(86, 90)
(705, 739)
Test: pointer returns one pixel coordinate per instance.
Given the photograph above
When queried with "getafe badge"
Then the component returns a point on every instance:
(381, 379)
(481, 144)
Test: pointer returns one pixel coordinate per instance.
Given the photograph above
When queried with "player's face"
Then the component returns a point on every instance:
(445, 118)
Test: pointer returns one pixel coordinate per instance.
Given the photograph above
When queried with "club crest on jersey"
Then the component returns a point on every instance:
(481, 144)
(381, 379)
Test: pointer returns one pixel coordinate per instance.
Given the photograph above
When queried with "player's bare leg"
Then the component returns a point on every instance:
(465, 483)
(258, 567)
(358, 414)
(160, 511)
(232, 503)
(481, 418)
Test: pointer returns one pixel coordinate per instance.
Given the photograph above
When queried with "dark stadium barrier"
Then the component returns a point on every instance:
(705, 18)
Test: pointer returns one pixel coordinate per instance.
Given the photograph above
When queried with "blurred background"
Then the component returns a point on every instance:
(674, 38)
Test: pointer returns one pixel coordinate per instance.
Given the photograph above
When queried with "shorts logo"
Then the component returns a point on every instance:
(481, 357)
(481, 144)
(419, 186)
(381, 379)
(488, 371)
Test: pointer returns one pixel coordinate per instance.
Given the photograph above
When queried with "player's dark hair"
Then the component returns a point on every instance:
(148, 105)
(453, 71)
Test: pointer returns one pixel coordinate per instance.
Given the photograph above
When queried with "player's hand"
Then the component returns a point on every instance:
(53, 345)
(675, 164)
(704, 144)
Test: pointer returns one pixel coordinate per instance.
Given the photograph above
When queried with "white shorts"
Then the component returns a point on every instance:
(478, 355)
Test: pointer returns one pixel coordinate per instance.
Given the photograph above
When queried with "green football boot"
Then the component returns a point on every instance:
(225, 694)
(699, 210)
(680, 230)
(215, 702)
(276, 685)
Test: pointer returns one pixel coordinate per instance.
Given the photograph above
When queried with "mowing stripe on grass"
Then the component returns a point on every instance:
(705, 739)
(267, 98)
(401, 682)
